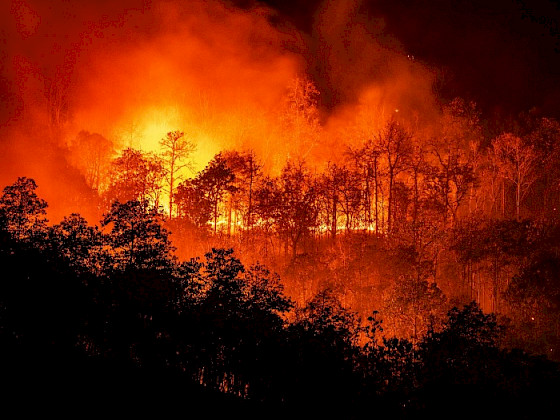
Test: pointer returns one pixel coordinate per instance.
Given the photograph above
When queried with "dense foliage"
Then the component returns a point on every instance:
(108, 314)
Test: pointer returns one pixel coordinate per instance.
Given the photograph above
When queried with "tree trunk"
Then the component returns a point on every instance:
(216, 217)
(367, 200)
(171, 182)
(390, 210)
(333, 222)
(503, 199)
(517, 200)
(415, 210)
(230, 210)
(376, 196)
(250, 203)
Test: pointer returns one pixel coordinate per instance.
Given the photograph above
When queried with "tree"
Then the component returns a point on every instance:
(325, 315)
(193, 206)
(22, 212)
(418, 168)
(449, 183)
(56, 91)
(297, 204)
(91, 153)
(329, 186)
(395, 145)
(472, 326)
(136, 176)
(215, 181)
(515, 161)
(79, 244)
(452, 176)
(323, 337)
(544, 137)
(340, 187)
(176, 152)
(264, 292)
(137, 237)
(367, 161)
(247, 171)
(247, 292)
(415, 303)
(534, 297)
(267, 204)
(467, 336)
(462, 364)
(492, 246)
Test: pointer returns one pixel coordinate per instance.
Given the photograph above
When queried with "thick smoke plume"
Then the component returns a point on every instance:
(131, 71)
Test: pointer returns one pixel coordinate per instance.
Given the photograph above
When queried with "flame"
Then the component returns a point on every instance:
(131, 73)
(149, 125)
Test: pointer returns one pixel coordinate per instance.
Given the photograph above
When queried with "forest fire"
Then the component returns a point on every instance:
(272, 200)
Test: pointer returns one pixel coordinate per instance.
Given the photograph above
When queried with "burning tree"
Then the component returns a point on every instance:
(300, 116)
(135, 175)
(340, 189)
(297, 204)
(91, 153)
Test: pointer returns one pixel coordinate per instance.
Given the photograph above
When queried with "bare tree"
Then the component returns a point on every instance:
(515, 162)
(176, 153)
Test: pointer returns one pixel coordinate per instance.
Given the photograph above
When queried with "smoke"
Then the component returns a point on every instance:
(133, 70)
(213, 71)
(367, 75)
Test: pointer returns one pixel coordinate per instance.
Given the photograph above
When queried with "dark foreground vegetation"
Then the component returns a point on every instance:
(106, 320)
(409, 219)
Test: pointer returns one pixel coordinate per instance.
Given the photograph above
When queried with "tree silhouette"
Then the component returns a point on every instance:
(515, 161)
(534, 294)
(395, 145)
(340, 188)
(22, 212)
(267, 204)
(247, 170)
(91, 153)
(214, 182)
(415, 303)
(80, 244)
(366, 160)
(297, 204)
(137, 237)
(193, 205)
(135, 176)
(452, 175)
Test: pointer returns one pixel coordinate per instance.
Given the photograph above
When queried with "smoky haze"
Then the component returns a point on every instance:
(131, 71)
